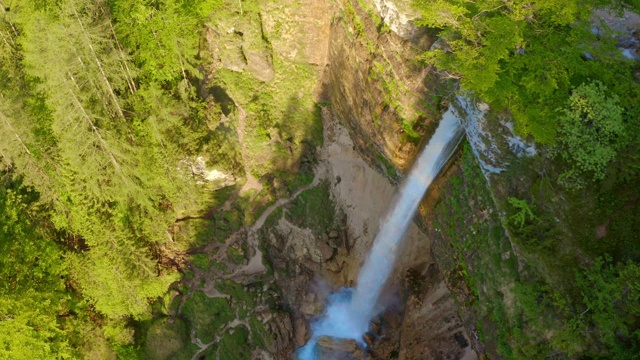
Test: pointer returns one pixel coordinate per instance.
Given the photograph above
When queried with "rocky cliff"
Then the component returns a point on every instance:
(331, 91)
(323, 105)
(388, 103)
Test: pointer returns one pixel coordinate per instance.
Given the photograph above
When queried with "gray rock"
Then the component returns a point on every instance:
(346, 345)
(282, 332)
(311, 308)
(302, 334)
(334, 348)
(326, 250)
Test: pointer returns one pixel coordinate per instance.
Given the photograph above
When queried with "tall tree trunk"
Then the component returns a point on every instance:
(104, 76)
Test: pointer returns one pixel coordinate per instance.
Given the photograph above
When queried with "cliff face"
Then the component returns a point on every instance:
(390, 102)
(329, 97)
(275, 62)
(376, 85)
(421, 320)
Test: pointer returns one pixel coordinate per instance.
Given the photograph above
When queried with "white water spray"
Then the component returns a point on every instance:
(349, 312)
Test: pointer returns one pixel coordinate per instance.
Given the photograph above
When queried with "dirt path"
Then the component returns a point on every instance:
(254, 266)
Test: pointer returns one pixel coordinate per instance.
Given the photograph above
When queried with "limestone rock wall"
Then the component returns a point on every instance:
(360, 57)
(376, 84)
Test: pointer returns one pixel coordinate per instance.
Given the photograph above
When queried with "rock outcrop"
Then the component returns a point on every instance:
(376, 85)
(361, 57)
(421, 321)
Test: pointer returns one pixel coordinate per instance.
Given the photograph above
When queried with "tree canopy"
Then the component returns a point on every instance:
(526, 57)
(94, 127)
(591, 130)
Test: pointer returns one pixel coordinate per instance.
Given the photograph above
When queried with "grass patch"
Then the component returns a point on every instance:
(207, 315)
(164, 340)
(242, 301)
(234, 345)
(294, 180)
(201, 261)
(236, 255)
(314, 209)
(259, 335)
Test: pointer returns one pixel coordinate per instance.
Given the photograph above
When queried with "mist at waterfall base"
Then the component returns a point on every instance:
(348, 312)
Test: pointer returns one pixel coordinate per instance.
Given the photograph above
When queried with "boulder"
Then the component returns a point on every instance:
(301, 332)
(326, 250)
(282, 332)
(331, 343)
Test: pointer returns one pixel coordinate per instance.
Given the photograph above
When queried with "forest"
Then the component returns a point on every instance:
(106, 105)
(98, 107)
(555, 69)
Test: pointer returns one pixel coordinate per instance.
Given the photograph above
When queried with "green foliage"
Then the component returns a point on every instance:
(524, 211)
(32, 273)
(104, 190)
(207, 315)
(96, 122)
(592, 131)
(164, 35)
(596, 318)
(165, 338)
(234, 345)
(525, 58)
(102, 275)
(314, 209)
(611, 296)
(201, 261)
(540, 64)
(29, 330)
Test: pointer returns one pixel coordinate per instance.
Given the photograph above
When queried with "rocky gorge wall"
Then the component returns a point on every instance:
(351, 67)
(377, 86)
(388, 103)
(274, 62)
(309, 262)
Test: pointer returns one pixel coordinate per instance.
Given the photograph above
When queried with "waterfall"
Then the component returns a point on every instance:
(349, 312)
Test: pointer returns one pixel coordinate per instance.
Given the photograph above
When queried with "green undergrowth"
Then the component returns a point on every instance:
(165, 339)
(282, 122)
(480, 265)
(388, 167)
(314, 209)
(543, 291)
(201, 261)
(234, 345)
(210, 320)
(207, 315)
(198, 232)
